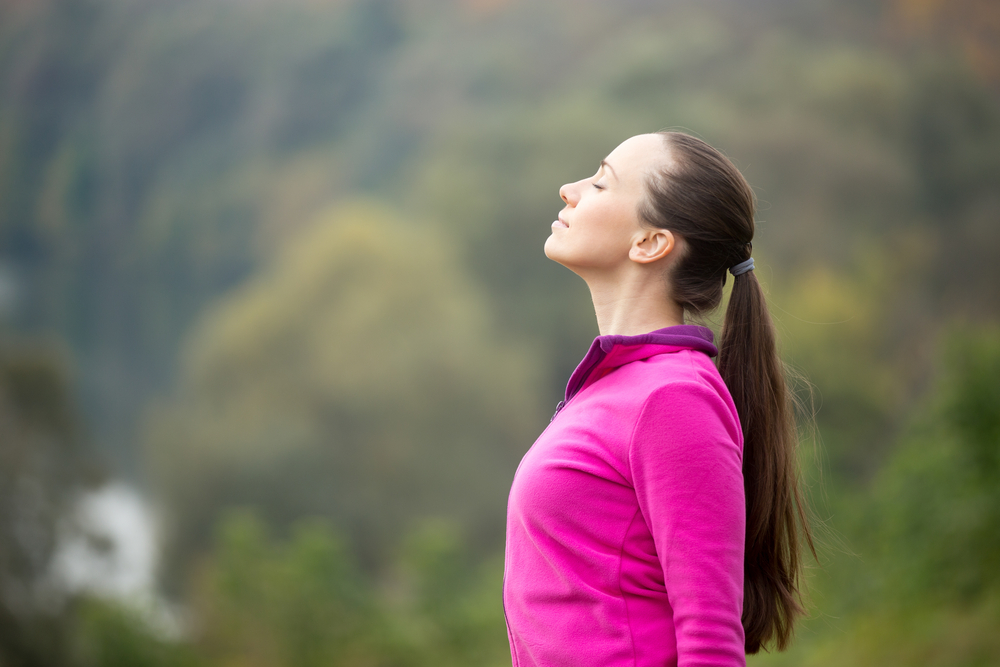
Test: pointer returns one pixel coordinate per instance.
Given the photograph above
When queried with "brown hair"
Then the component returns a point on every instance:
(703, 198)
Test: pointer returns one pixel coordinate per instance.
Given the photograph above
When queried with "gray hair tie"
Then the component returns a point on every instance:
(742, 267)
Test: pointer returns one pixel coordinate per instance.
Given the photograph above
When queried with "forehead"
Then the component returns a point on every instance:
(639, 155)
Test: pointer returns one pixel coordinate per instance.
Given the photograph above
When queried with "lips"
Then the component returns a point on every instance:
(559, 222)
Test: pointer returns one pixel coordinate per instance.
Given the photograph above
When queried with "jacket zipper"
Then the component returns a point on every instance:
(571, 392)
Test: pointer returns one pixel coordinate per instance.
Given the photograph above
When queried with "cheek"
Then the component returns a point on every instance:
(586, 248)
(599, 236)
(611, 231)
(612, 220)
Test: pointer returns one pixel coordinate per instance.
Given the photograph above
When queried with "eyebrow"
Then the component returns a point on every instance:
(604, 163)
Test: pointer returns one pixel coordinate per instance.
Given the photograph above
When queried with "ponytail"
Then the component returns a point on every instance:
(704, 199)
(776, 522)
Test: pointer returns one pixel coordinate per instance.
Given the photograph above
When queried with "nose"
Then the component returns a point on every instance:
(568, 194)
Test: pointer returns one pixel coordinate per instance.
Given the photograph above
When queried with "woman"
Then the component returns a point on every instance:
(657, 519)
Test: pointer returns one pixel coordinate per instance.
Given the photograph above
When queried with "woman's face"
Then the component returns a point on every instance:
(600, 221)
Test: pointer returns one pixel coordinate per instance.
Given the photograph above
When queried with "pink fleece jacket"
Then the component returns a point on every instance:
(626, 518)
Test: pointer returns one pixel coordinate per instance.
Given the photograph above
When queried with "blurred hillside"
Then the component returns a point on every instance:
(293, 250)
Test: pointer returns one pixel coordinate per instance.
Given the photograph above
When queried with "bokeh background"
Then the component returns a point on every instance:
(276, 327)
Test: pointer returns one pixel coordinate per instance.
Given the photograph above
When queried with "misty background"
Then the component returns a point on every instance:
(276, 326)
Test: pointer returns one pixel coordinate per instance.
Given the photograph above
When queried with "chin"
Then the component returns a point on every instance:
(552, 252)
(550, 248)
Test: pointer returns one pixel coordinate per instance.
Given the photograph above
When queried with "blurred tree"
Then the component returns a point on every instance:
(303, 603)
(43, 468)
(266, 603)
(922, 586)
(138, 149)
(110, 634)
(834, 328)
(450, 609)
(945, 542)
(358, 378)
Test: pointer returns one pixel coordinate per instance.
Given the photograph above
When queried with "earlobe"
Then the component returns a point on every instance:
(652, 246)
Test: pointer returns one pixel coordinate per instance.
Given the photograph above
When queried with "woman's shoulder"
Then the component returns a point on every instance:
(682, 368)
(690, 396)
(687, 381)
(678, 376)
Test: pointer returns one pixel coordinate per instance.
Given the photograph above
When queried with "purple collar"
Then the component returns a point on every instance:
(682, 335)
(614, 351)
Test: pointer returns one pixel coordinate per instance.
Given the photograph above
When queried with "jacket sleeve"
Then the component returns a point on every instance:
(685, 458)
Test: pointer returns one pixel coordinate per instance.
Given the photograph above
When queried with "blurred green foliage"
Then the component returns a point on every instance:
(260, 601)
(941, 491)
(304, 602)
(922, 587)
(44, 463)
(359, 376)
(109, 634)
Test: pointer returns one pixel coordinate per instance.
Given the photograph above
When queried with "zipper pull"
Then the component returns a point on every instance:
(559, 407)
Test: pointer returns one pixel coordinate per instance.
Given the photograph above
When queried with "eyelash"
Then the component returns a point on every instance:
(599, 187)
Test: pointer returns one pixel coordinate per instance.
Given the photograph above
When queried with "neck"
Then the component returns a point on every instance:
(633, 305)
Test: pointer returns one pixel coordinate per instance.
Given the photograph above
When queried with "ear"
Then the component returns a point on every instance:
(652, 245)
